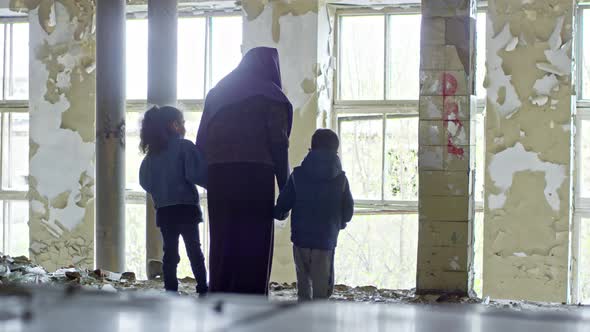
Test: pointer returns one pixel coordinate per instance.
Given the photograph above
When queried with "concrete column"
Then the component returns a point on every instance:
(162, 64)
(61, 110)
(447, 75)
(110, 133)
(528, 141)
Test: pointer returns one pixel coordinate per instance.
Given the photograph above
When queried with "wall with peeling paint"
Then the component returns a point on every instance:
(528, 140)
(62, 88)
(291, 27)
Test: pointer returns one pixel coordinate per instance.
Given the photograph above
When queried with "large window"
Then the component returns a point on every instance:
(376, 102)
(582, 155)
(209, 47)
(14, 136)
(377, 92)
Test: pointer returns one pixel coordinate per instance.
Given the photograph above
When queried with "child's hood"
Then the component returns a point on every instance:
(321, 164)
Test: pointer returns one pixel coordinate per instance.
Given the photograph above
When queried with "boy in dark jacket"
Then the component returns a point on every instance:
(319, 195)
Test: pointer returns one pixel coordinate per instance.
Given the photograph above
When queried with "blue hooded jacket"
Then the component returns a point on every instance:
(170, 175)
(320, 199)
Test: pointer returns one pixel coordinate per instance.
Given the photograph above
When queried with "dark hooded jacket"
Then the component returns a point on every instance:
(320, 199)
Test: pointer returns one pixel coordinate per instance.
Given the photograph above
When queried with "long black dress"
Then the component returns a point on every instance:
(247, 149)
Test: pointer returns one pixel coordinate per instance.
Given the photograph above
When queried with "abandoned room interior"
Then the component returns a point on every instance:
(464, 132)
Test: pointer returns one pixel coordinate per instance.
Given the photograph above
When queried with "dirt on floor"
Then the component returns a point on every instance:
(21, 271)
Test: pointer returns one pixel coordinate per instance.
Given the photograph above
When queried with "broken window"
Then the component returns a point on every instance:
(209, 47)
(14, 136)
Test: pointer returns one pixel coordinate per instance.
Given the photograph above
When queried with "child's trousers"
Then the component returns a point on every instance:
(315, 273)
(174, 222)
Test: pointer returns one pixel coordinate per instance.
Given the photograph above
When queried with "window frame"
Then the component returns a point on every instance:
(7, 108)
(581, 204)
(384, 108)
(208, 63)
(188, 105)
(135, 196)
(346, 110)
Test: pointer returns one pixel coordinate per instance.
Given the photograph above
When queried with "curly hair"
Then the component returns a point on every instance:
(156, 128)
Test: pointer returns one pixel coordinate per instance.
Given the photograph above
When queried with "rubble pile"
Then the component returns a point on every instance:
(288, 292)
(20, 270)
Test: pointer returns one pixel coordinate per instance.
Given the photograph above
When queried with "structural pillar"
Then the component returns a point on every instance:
(110, 133)
(162, 72)
(447, 76)
(528, 150)
(62, 135)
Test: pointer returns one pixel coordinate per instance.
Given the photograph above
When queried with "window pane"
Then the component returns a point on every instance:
(584, 261)
(3, 239)
(184, 267)
(585, 67)
(18, 86)
(478, 256)
(137, 57)
(378, 250)
(585, 158)
(135, 239)
(401, 159)
(18, 216)
(133, 156)
(480, 152)
(362, 57)
(191, 123)
(2, 27)
(16, 151)
(404, 57)
(191, 58)
(362, 153)
(226, 46)
(481, 54)
(135, 245)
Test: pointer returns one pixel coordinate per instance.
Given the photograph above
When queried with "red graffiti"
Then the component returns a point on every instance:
(451, 113)
(449, 85)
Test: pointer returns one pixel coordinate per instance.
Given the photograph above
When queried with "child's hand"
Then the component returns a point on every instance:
(281, 216)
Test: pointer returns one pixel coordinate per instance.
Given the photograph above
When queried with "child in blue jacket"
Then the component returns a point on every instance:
(321, 202)
(169, 172)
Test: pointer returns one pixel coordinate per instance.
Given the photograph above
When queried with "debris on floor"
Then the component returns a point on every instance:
(20, 270)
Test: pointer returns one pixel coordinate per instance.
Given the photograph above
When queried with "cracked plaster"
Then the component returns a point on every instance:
(526, 227)
(61, 133)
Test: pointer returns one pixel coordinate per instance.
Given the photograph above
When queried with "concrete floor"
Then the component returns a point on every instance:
(63, 309)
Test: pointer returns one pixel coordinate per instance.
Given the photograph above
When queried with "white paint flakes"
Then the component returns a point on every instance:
(539, 100)
(512, 45)
(38, 207)
(454, 263)
(497, 77)
(432, 110)
(506, 164)
(520, 254)
(545, 85)
(62, 155)
(559, 61)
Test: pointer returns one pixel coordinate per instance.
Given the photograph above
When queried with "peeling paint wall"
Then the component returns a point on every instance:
(291, 27)
(528, 140)
(62, 88)
(447, 72)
